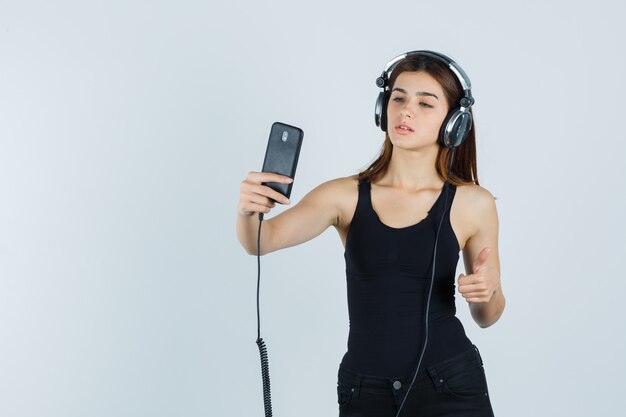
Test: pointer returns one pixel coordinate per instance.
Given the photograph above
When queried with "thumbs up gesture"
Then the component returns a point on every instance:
(479, 286)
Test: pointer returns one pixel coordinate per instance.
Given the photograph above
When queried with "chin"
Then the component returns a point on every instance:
(411, 143)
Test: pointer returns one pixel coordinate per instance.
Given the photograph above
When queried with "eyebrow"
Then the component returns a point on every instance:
(419, 93)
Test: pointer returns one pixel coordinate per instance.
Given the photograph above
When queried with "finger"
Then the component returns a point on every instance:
(481, 290)
(461, 280)
(260, 177)
(262, 200)
(468, 279)
(259, 208)
(465, 289)
(264, 191)
(254, 203)
(474, 292)
(478, 298)
(480, 260)
(276, 196)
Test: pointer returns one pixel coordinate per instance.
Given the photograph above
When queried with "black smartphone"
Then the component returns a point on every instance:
(281, 155)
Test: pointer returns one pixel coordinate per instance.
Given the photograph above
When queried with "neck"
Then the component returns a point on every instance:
(412, 169)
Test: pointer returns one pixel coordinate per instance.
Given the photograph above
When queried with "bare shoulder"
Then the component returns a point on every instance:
(339, 193)
(339, 185)
(475, 198)
(336, 190)
(475, 207)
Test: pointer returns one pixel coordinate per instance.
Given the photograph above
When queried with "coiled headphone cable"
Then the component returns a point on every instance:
(265, 369)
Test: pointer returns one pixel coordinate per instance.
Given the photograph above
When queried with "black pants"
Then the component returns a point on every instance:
(455, 387)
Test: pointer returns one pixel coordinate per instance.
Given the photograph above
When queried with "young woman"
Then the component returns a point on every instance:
(403, 222)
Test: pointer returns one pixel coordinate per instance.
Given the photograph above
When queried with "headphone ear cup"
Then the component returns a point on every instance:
(455, 128)
(380, 110)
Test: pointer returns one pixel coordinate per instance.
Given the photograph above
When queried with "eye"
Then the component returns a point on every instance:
(426, 105)
(398, 99)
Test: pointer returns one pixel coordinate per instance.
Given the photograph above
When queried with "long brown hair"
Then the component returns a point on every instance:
(464, 170)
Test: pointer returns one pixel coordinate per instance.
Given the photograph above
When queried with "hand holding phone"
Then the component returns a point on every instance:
(282, 153)
(279, 168)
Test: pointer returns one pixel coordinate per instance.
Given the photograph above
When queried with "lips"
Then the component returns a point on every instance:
(404, 128)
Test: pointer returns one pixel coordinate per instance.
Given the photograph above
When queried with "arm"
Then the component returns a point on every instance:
(307, 219)
(481, 286)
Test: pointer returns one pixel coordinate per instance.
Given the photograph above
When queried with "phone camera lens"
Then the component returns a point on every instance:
(285, 136)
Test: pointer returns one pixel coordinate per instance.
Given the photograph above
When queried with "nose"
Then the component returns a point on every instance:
(404, 112)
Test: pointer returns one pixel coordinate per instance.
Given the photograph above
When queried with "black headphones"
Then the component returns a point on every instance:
(457, 124)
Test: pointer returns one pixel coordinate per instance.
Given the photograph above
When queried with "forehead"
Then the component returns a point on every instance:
(414, 81)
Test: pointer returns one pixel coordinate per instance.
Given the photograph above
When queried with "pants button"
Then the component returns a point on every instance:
(397, 385)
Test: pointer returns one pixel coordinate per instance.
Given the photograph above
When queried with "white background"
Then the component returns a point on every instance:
(127, 126)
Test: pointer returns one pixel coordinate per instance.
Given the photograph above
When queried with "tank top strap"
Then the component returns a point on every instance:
(364, 190)
(364, 203)
(447, 197)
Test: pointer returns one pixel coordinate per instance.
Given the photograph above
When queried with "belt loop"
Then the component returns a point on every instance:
(478, 353)
(357, 386)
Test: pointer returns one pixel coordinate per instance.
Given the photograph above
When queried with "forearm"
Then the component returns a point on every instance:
(255, 198)
(247, 232)
(486, 314)
(298, 224)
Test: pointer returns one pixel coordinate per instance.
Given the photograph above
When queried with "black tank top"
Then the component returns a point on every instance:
(388, 273)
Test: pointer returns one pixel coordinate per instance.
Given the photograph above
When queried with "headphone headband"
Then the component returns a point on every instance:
(464, 80)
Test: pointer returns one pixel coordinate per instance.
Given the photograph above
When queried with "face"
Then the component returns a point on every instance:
(417, 107)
